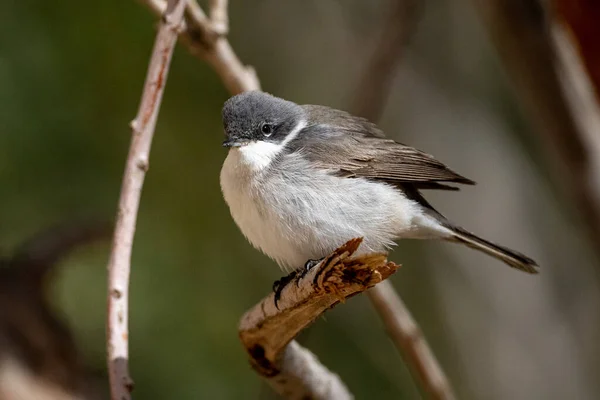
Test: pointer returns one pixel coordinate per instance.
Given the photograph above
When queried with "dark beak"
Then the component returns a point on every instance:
(235, 142)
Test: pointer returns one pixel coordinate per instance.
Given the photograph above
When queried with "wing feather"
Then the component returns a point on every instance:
(350, 146)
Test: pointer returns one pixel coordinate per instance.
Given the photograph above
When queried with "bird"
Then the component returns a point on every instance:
(301, 180)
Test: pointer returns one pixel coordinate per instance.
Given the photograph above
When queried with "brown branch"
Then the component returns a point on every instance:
(135, 170)
(39, 357)
(266, 330)
(522, 33)
(580, 18)
(374, 86)
(409, 340)
(34, 258)
(369, 100)
(219, 16)
(205, 39)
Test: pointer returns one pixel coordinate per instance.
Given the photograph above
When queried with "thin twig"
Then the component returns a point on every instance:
(267, 330)
(219, 16)
(374, 86)
(216, 50)
(409, 340)
(158, 7)
(135, 170)
(369, 100)
(197, 14)
(204, 40)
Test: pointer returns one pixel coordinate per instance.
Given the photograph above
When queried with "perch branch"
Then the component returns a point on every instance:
(135, 170)
(369, 100)
(267, 331)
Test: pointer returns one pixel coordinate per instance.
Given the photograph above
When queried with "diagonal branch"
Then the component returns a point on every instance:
(219, 17)
(267, 332)
(410, 342)
(374, 85)
(135, 170)
(205, 38)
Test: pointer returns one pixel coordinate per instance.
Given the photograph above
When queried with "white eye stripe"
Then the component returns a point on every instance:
(258, 155)
(294, 133)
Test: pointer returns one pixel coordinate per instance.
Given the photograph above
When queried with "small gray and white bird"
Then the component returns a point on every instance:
(301, 180)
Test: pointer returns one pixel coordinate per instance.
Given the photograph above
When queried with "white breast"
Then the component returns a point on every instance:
(294, 212)
(243, 192)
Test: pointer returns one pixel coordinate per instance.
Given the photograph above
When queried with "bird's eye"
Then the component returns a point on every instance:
(266, 129)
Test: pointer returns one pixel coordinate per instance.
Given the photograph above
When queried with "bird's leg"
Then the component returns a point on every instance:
(279, 284)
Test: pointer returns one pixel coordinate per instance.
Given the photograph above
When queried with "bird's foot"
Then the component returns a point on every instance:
(310, 264)
(279, 284)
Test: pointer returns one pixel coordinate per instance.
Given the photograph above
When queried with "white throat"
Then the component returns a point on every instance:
(258, 155)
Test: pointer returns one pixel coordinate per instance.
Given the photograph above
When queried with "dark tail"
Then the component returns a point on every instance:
(510, 257)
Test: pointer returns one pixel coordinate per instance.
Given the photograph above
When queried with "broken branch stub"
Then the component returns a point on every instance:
(267, 330)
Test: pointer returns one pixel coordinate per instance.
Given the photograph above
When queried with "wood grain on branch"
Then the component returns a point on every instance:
(267, 331)
(135, 170)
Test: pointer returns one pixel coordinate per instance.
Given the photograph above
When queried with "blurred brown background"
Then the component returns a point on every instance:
(71, 75)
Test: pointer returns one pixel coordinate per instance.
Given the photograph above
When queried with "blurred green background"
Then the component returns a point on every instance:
(71, 75)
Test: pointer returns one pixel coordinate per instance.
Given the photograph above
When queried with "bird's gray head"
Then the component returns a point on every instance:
(257, 116)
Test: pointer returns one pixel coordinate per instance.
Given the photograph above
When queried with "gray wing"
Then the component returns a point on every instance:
(358, 148)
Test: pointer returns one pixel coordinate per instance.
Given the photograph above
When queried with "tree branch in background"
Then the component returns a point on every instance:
(37, 256)
(206, 39)
(563, 116)
(39, 358)
(409, 340)
(135, 170)
(268, 331)
(369, 101)
(219, 16)
(581, 19)
(374, 86)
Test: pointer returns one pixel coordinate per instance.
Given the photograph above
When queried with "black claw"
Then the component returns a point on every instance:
(279, 284)
(310, 264)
